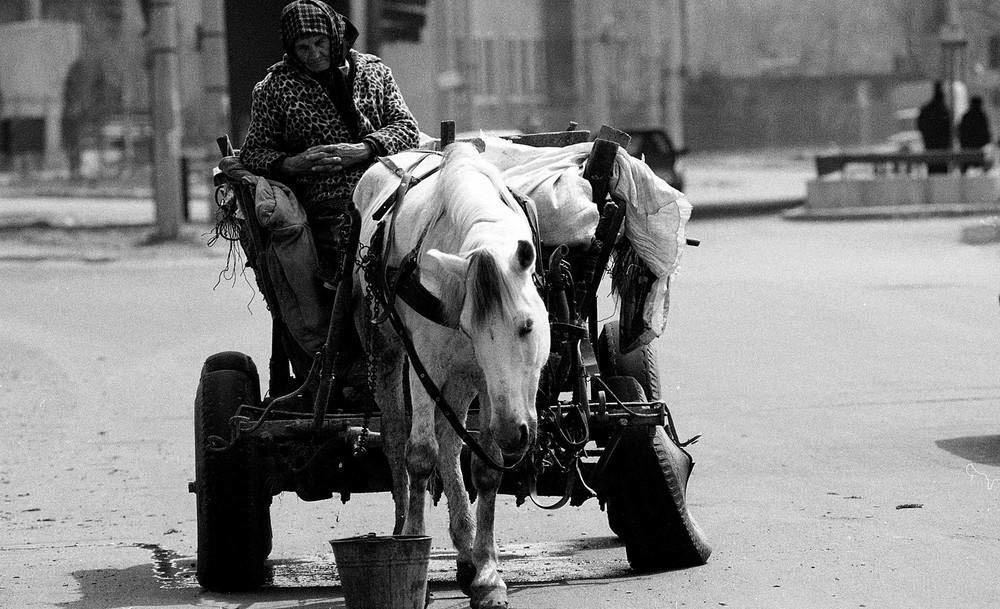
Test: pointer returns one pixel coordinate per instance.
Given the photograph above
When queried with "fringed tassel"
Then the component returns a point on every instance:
(626, 268)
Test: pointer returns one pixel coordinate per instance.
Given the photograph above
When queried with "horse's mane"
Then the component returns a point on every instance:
(490, 290)
(457, 187)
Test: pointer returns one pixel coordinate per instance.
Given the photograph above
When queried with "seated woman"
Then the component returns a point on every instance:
(318, 120)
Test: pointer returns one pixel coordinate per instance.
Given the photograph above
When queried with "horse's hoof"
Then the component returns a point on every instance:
(464, 575)
(493, 600)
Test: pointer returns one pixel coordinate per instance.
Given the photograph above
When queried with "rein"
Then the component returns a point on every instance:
(426, 304)
(406, 276)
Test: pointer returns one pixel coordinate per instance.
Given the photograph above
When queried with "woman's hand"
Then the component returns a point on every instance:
(327, 158)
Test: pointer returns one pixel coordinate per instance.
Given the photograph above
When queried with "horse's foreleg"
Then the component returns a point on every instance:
(461, 527)
(488, 589)
(421, 457)
(396, 430)
(388, 393)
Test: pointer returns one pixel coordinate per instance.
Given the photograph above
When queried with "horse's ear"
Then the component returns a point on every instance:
(451, 264)
(525, 255)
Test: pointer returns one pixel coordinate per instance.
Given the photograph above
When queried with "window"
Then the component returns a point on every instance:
(505, 67)
(994, 50)
(488, 67)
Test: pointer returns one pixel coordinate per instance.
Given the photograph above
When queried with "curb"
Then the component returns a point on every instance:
(39, 240)
(726, 209)
(891, 212)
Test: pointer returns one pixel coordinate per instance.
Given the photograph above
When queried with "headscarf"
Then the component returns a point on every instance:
(313, 17)
(310, 17)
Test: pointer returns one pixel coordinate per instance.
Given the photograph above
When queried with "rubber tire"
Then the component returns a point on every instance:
(627, 389)
(233, 360)
(646, 504)
(233, 507)
(640, 363)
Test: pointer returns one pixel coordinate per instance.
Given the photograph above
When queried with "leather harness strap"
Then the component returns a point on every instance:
(406, 284)
(389, 312)
(437, 396)
(406, 182)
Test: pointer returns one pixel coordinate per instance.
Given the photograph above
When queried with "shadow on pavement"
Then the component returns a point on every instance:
(169, 581)
(312, 583)
(139, 586)
(984, 450)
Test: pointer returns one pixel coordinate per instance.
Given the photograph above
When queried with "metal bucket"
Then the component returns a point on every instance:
(381, 572)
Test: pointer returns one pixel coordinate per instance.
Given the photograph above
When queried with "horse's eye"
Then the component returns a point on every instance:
(525, 328)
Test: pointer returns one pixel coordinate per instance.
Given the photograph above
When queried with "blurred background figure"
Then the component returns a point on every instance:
(934, 124)
(974, 129)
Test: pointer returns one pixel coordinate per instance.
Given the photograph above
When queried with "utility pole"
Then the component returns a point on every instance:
(165, 106)
(954, 45)
(215, 84)
(600, 44)
(676, 70)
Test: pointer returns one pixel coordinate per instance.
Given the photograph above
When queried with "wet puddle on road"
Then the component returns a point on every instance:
(520, 564)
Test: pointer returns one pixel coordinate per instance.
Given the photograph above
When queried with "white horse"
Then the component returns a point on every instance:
(476, 255)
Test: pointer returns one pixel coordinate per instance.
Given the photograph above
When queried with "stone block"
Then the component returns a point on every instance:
(902, 191)
(986, 231)
(893, 190)
(833, 193)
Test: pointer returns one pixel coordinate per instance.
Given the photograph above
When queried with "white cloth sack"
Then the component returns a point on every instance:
(655, 214)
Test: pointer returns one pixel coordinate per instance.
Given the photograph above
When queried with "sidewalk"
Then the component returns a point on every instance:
(716, 183)
(747, 183)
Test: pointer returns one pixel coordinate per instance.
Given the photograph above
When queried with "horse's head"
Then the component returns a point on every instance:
(505, 318)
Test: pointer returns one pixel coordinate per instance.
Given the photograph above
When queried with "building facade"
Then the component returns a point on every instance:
(520, 64)
(32, 76)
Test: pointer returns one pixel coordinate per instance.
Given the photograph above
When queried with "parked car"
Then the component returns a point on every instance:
(655, 145)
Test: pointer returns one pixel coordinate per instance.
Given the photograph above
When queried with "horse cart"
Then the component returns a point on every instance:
(603, 431)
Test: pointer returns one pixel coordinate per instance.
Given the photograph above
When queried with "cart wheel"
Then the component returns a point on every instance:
(646, 501)
(648, 506)
(621, 373)
(234, 519)
(233, 360)
(640, 363)
(626, 389)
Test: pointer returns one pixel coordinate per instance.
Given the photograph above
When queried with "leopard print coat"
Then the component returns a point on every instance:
(291, 111)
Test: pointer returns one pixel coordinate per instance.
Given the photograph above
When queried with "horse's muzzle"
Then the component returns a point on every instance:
(514, 441)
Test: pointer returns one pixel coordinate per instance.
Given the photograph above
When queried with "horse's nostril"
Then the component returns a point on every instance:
(525, 435)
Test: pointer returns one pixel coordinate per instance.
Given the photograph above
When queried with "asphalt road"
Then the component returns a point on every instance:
(843, 376)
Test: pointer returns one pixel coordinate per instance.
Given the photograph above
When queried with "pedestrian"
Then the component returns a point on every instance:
(974, 130)
(934, 123)
(319, 119)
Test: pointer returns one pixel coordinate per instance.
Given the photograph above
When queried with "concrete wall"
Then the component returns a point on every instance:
(850, 110)
(902, 190)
